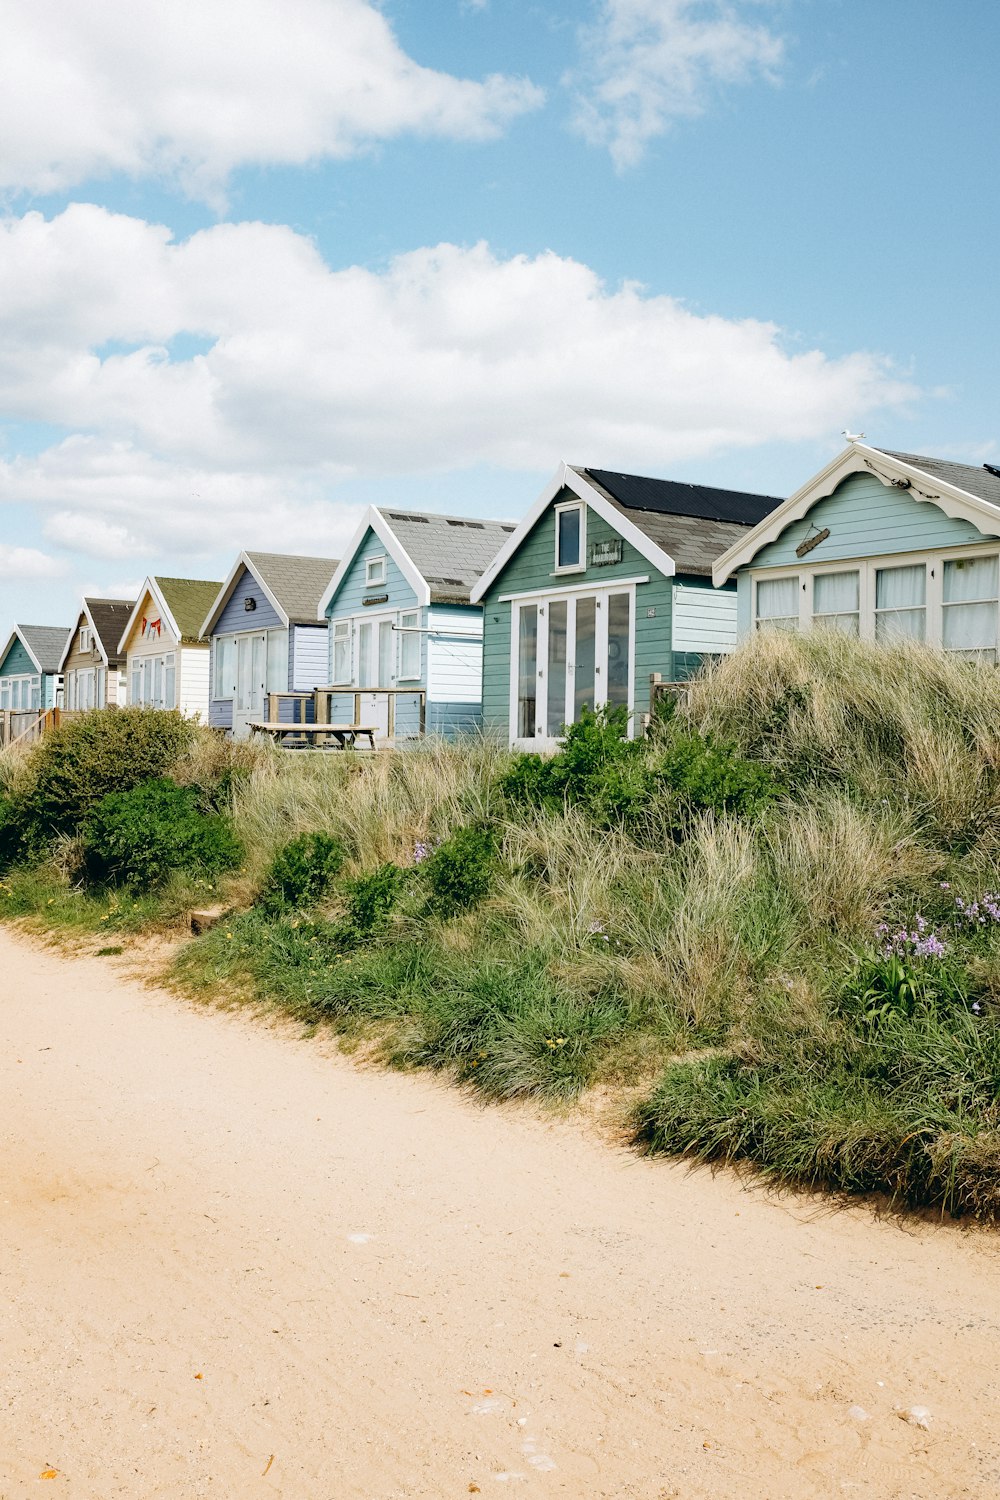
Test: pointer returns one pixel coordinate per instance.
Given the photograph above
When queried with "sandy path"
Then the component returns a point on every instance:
(219, 1245)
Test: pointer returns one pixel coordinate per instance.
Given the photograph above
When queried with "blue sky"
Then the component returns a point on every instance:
(264, 263)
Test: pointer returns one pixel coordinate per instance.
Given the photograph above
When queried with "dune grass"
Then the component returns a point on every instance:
(695, 922)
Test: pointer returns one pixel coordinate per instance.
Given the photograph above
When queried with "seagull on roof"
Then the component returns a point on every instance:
(852, 437)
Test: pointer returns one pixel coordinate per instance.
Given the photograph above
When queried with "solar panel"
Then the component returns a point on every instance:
(672, 498)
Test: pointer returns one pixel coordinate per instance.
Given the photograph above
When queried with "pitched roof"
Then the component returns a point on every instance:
(297, 583)
(983, 482)
(188, 600)
(108, 617)
(450, 552)
(693, 523)
(45, 643)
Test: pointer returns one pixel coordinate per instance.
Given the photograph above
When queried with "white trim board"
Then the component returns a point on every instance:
(16, 635)
(373, 520)
(858, 458)
(566, 478)
(557, 589)
(85, 612)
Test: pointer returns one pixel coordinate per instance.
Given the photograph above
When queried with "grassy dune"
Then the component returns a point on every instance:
(772, 922)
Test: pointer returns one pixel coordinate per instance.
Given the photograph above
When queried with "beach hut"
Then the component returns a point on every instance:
(166, 659)
(266, 637)
(605, 582)
(881, 545)
(92, 666)
(405, 639)
(29, 667)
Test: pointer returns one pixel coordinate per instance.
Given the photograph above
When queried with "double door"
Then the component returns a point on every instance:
(376, 668)
(250, 703)
(569, 651)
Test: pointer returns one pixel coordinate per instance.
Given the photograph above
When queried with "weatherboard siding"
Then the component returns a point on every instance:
(704, 618)
(192, 682)
(868, 519)
(308, 665)
(350, 596)
(17, 662)
(236, 617)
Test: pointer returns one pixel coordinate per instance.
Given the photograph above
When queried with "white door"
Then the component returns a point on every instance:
(376, 668)
(569, 652)
(250, 706)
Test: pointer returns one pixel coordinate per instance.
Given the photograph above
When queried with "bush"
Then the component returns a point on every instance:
(12, 832)
(460, 870)
(370, 900)
(110, 750)
(138, 837)
(715, 778)
(302, 873)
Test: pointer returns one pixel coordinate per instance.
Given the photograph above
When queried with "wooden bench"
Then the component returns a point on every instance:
(296, 736)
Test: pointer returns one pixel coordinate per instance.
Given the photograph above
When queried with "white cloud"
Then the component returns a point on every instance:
(447, 358)
(195, 88)
(649, 62)
(28, 562)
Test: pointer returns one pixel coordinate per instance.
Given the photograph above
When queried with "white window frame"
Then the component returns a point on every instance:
(86, 639)
(406, 634)
(581, 565)
(341, 634)
(374, 570)
(867, 567)
(542, 601)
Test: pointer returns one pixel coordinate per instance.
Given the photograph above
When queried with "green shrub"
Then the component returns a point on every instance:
(715, 778)
(110, 750)
(597, 741)
(139, 836)
(371, 898)
(12, 832)
(460, 870)
(302, 872)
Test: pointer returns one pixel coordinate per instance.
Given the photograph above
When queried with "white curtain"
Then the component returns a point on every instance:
(970, 606)
(778, 602)
(900, 600)
(836, 598)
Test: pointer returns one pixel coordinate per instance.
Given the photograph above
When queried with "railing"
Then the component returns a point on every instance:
(324, 697)
(300, 703)
(23, 726)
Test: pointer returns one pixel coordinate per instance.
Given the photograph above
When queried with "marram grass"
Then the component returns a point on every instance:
(713, 963)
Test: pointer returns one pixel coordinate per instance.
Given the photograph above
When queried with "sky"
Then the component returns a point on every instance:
(266, 262)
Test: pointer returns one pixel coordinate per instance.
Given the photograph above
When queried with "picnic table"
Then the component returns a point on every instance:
(297, 736)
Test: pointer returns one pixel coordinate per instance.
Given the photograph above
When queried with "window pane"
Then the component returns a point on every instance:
(365, 659)
(901, 588)
(556, 717)
(971, 578)
(527, 669)
(169, 683)
(778, 602)
(835, 594)
(586, 642)
(568, 551)
(970, 627)
(899, 603)
(277, 661)
(409, 647)
(342, 651)
(619, 618)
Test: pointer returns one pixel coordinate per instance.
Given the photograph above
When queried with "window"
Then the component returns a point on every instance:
(409, 646)
(778, 603)
(86, 639)
(225, 666)
(901, 603)
(342, 651)
(375, 570)
(277, 661)
(570, 539)
(837, 601)
(969, 607)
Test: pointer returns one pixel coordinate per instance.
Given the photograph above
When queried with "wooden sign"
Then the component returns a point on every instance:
(604, 554)
(805, 547)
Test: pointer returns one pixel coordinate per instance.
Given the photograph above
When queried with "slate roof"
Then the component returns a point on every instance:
(189, 601)
(450, 552)
(109, 618)
(693, 523)
(298, 583)
(982, 482)
(46, 644)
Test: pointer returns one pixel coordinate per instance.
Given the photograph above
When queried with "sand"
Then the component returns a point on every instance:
(233, 1265)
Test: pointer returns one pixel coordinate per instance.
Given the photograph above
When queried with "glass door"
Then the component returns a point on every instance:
(250, 706)
(572, 652)
(376, 668)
